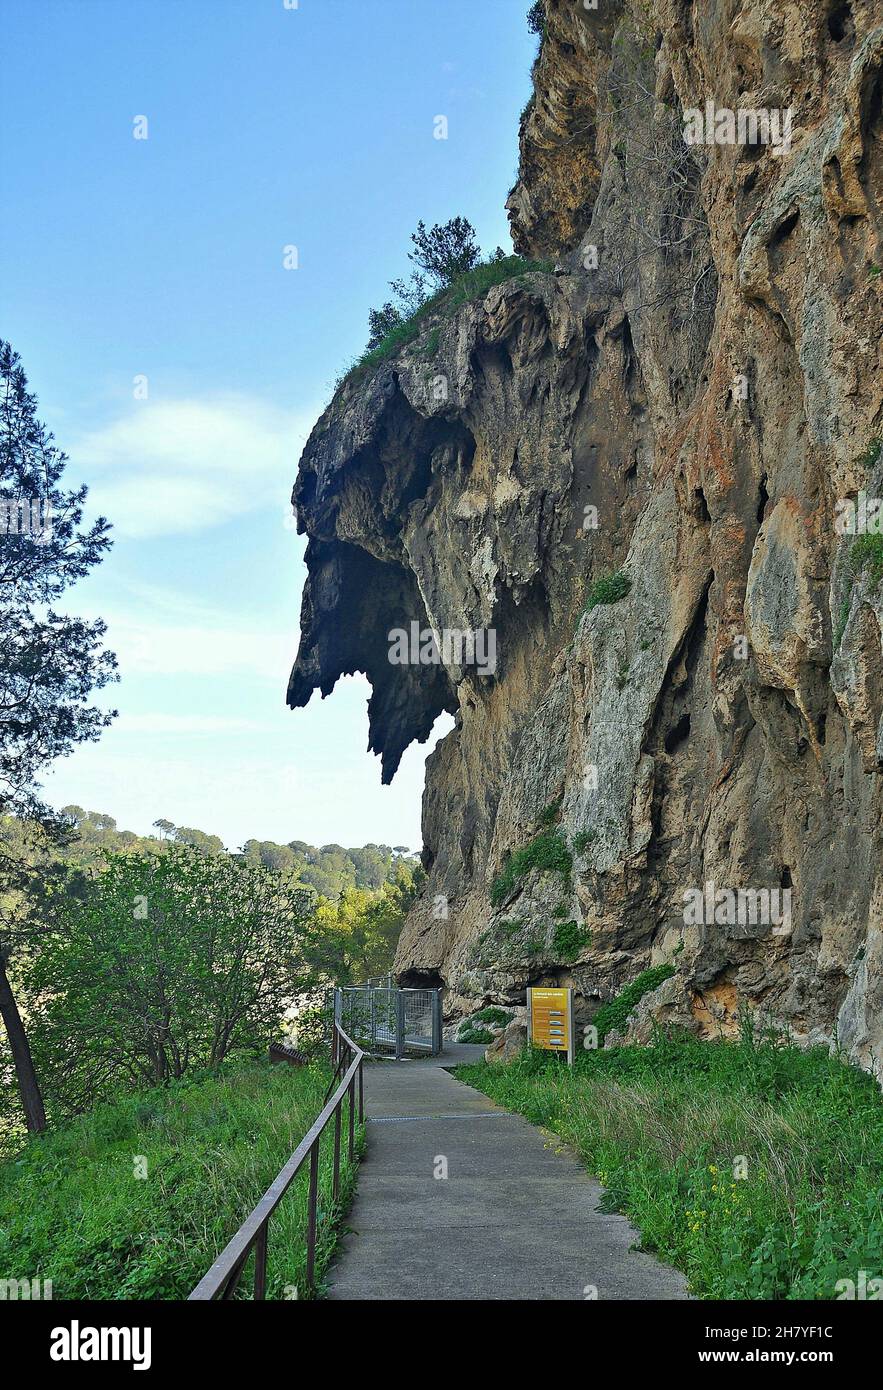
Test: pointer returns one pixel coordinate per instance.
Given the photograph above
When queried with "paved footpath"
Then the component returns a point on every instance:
(514, 1218)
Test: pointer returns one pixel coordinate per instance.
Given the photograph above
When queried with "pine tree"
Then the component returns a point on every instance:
(50, 662)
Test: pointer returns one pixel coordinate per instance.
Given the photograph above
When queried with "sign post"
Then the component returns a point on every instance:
(550, 1020)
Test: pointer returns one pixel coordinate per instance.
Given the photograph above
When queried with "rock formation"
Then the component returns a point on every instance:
(680, 414)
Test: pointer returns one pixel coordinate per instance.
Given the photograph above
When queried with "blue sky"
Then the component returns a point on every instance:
(163, 258)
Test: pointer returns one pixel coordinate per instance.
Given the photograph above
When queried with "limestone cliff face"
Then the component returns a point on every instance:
(702, 370)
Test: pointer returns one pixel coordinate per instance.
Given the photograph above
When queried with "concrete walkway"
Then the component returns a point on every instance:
(514, 1218)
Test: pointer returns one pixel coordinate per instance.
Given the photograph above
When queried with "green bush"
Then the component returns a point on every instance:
(475, 1035)
(866, 552)
(608, 589)
(569, 939)
(74, 1210)
(154, 965)
(612, 1015)
(582, 839)
(546, 852)
(755, 1168)
(472, 285)
(493, 1014)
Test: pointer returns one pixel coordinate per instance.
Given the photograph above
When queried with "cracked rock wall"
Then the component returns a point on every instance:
(701, 377)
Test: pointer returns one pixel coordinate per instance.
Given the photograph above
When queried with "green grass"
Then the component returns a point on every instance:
(610, 588)
(475, 1035)
(568, 939)
(614, 1013)
(545, 852)
(469, 286)
(867, 553)
(755, 1168)
(72, 1210)
(551, 814)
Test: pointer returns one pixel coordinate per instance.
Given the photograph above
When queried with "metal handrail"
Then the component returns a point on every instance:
(223, 1278)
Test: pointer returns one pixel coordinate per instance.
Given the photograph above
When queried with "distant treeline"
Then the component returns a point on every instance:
(328, 869)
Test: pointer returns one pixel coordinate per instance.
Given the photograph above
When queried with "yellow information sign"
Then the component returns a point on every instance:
(550, 1015)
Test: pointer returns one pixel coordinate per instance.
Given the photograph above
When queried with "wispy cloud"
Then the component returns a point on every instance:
(147, 646)
(172, 466)
(186, 724)
(159, 632)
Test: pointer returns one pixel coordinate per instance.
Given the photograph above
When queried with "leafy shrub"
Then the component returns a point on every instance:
(867, 552)
(568, 940)
(612, 1015)
(546, 852)
(536, 17)
(493, 1014)
(582, 839)
(608, 589)
(159, 964)
(382, 322)
(551, 813)
(475, 1035)
(446, 251)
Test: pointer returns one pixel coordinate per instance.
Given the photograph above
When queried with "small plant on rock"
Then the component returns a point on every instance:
(610, 588)
(568, 940)
(866, 553)
(612, 1015)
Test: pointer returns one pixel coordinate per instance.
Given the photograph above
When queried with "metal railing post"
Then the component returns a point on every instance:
(361, 1096)
(260, 1263)
(335, 1037)
(436, 1022)
(222, 1279)
(335, 1190)
(312, 1214)
(400, 1024)
(352, 1135)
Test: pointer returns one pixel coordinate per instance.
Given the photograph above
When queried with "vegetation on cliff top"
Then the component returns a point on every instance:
(755, 1168)
(450, 272)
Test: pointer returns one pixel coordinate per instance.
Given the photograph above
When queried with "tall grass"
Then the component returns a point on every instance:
(73, 1210)
(754, 1167)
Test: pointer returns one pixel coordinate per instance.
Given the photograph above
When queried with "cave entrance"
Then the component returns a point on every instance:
(420, 979)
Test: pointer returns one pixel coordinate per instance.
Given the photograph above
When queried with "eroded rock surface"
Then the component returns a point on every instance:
(704, 371)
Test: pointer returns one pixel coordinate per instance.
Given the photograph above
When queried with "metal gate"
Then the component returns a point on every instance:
(383, 1018)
